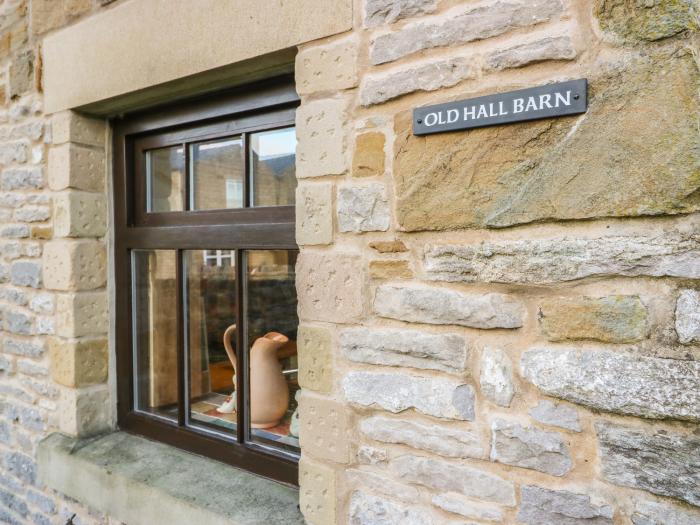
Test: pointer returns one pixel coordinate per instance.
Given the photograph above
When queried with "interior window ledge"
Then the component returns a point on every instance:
(137, 481)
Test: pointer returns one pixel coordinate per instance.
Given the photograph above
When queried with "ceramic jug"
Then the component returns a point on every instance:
(269, 393)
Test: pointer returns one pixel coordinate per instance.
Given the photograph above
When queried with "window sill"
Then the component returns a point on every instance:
(137, 481)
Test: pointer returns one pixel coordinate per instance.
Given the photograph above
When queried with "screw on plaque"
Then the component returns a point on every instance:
(577, 96)
(419, 121)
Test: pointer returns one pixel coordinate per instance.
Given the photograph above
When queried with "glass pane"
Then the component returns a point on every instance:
(217, 174)
(272, 164)
(271, 333)
(211, 316)
(154, 296)
(165, 170)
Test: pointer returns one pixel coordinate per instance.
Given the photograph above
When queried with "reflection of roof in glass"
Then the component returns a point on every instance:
(277, 164)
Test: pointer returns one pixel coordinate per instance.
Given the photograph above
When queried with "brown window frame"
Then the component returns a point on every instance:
(260, 106)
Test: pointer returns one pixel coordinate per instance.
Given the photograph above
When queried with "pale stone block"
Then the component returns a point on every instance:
(378, 12)
(540, 506)
(366, 509)
(424, 76)
(377, 484)
(321, 127)
(443, 440)
(467, 508)
(317, 492)
(549, 48)
(81, 314)
(314, 214)
(85, 412)
(655, 513)
(330, 67)
(314, 346)
(529, 447)
(77, 363)
(74, 265)
(79, 214)
(396, 392)
(616, 382)
(363, 208)
(324, 428)
(78, 167)
(371, 455)
(423, 304)
(496, 376)
(556, 414)
(69, 126)
(330, 287)
(454, 477)
(688, 317)
(409, 348)
(462, 24)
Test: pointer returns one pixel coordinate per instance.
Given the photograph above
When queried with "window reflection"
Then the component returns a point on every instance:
(165, 168)
(273, 171)
(216, 172)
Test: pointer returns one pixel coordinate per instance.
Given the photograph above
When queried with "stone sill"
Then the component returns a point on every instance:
(137, 481)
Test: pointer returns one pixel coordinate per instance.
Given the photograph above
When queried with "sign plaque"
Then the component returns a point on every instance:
(552, 100)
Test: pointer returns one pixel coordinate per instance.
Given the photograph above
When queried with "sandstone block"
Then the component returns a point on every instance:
(529, 447)
(540, 506)
(462, 24)
(368, 509)
(612, 319)
(433, 396)
(363, 208)
(388, 246)
(85, 412)
(496, 376)
(664, 463)
(608, 380)
(410, 348)
(452, 477)
(330, 287)
(368, 158)
(22, 178)
(645, 21)
(439, 439)
(314, 214)
(317, 492)
(69, 126)
(323, 428)
(467, 508)
(315, 358)
(556, 414)
(371, 455)
(74, 265)
(549, 48)
(541, 261)
(564, 168)
(78, 363)
(81, 314)
(329, 67)
(321, 138)
(79, 214)
(376, 484)
(78, 167)
(390, 269)
(688, 317)
(653, 513)
(425, 76)
(423, 304)
(378, 12)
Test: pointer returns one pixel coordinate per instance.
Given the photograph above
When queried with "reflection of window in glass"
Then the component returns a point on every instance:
(273, 172)
(164, 179)
(216, 171)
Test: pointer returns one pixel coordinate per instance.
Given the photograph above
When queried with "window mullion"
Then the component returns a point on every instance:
(241, 355)
(180, 339)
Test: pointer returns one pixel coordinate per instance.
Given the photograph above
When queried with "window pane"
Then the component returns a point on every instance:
(154, 318)
(272, 164)
(217, 174)
(211, 317)
(165, 170)
(271, 333)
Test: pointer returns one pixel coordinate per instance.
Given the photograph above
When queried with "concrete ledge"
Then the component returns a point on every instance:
(137, 481)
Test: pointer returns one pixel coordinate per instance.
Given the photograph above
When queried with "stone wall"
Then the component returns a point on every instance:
(501, 325)
(53, 268)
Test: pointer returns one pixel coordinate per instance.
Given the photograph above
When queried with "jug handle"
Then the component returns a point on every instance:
(227, 345)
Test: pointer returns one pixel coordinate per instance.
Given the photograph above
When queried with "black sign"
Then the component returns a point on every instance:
(552, 100)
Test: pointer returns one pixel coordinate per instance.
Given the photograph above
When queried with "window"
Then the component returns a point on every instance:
(204, 270)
